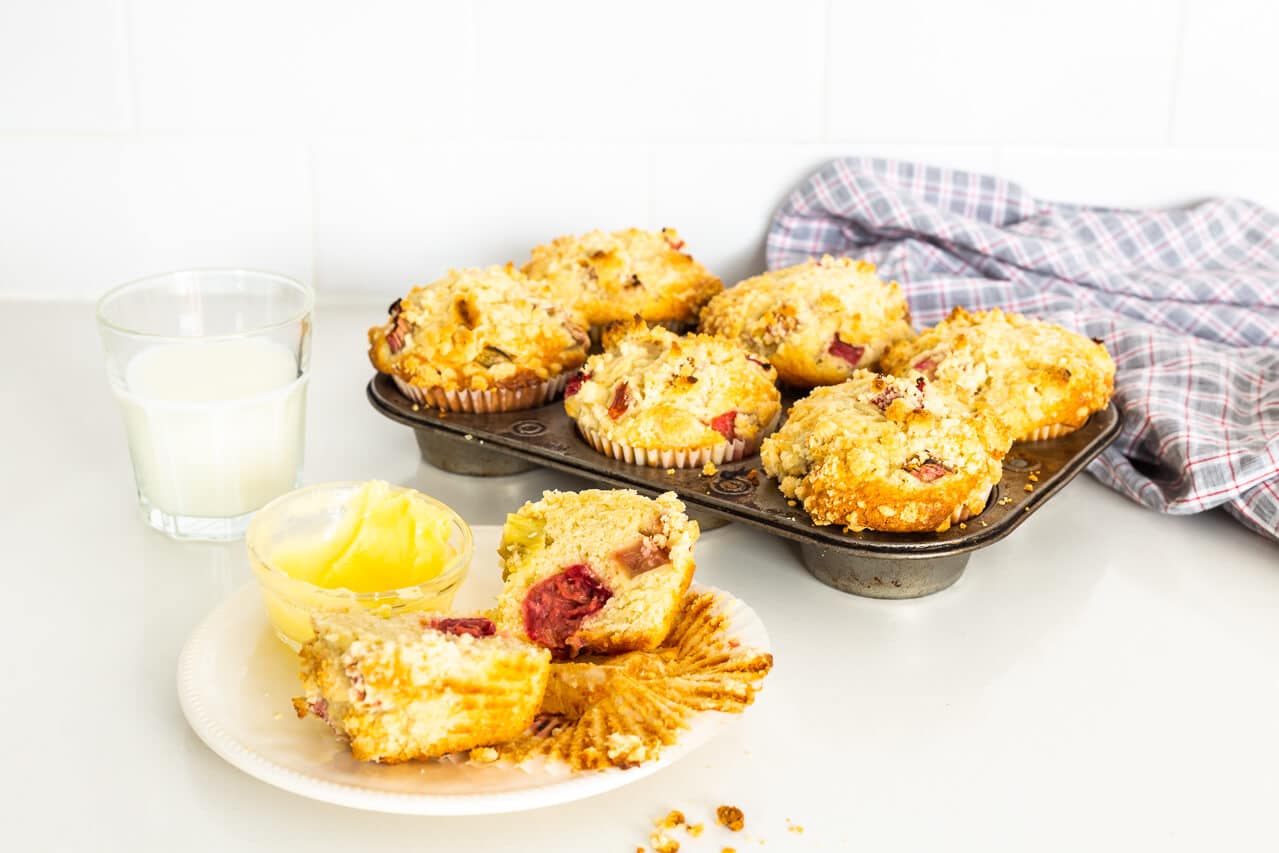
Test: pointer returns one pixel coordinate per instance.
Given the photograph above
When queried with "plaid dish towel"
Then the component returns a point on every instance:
(1186, 300)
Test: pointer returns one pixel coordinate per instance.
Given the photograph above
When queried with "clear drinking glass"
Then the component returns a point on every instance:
(210, 368)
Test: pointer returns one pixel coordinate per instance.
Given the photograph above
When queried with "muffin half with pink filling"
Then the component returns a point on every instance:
(598, 571)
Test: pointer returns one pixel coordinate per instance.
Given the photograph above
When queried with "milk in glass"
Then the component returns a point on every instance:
(215, 428)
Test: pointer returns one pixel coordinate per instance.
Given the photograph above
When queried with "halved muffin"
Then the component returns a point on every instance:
(1041, 380)
(673, 401)
(479, 340)
(605, 277)
(599, 571)
(815, 322)
(419, 685)
(886, 453)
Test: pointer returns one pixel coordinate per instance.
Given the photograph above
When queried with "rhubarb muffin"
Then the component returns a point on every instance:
(886, 453)
(606, 277)
(598, 571)
(673, 401)
(1041, 380)
(479, 340)
(417, 685)
(816, 322)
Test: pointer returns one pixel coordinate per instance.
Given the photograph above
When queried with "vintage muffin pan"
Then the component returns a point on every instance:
(869, 563)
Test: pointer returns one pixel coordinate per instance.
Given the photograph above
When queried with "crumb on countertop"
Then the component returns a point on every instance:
(670, 472)
(753, 476)
(695, 829)
(663, 843)
(1033, 477)
(1028, 487)
(731, 817)
(709, 470)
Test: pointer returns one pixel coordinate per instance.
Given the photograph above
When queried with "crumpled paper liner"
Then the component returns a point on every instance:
(621, 711)
(485, 402)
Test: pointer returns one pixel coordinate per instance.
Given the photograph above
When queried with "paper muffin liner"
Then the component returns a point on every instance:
(485, 402)
(622, 711)
(1045, 433)
(677, 457)
(963, 513)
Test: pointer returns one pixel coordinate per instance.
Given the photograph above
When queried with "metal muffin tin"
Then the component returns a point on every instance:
(869, 563)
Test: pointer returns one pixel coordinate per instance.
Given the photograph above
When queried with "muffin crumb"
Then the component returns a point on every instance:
(1029, 487)
(663, 843)
(709, 470)
(695, 829)
(673, 818)
(731, 817)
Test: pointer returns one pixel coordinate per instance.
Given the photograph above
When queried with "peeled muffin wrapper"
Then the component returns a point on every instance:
(677, 457)
(485, 402)
(621, 711)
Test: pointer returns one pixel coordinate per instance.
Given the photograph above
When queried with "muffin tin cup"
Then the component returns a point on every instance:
(868, 563)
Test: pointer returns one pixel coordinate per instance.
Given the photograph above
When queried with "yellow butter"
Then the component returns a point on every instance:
(385, 540)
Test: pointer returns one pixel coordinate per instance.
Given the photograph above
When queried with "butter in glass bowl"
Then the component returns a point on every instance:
(339, 546)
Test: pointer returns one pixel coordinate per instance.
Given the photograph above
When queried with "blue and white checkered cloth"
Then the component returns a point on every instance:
(1186, 300)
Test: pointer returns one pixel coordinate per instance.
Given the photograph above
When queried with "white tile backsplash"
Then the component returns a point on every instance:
(302, 65)
(370, 146)
(1002, 71)
(1229, 76)
(80, 215)
(1144, 177)
(64, 66)
(669, 70)
(721, 197)
(392, 215)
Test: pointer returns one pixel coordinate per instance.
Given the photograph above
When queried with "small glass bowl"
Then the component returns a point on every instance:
(314, 512)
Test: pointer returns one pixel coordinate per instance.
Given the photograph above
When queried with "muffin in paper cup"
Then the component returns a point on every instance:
(604, 277)
(664, 400)
(680, 457)
(485, 402)
(479, 340)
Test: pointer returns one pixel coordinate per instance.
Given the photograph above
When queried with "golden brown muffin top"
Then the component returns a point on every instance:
(478, 329)
(607, 277)
(654, 389)
(1027, 372)
(817, 321)
(885, 453)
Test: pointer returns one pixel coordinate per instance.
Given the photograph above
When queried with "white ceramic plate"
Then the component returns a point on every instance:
(235, 680)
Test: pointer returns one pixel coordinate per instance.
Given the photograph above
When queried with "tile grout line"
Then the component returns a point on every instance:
(130, 65)
(1178, 57)
(823, 125)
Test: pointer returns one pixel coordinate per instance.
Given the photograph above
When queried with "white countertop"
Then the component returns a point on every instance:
(1105, 678)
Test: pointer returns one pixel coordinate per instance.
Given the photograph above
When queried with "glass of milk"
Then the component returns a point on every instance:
(210, 368)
